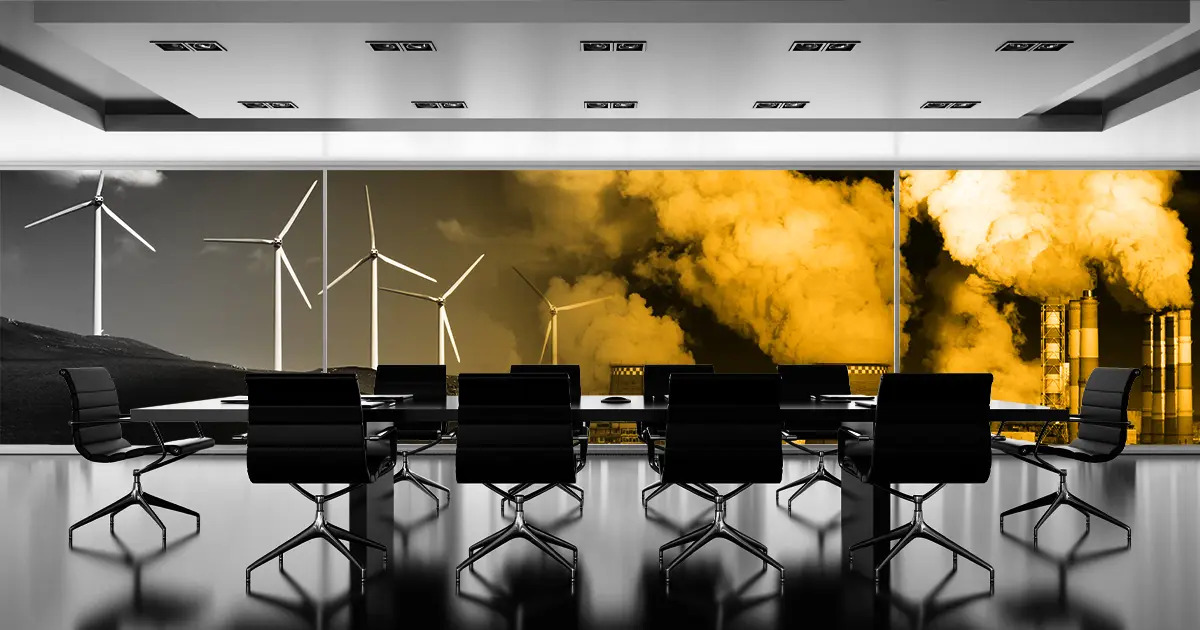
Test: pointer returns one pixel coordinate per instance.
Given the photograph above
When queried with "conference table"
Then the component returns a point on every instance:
(865, 509)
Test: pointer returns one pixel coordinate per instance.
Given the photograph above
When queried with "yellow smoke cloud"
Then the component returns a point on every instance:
(620, 330)
(1045, 233)
(971, 332)
(802, 267)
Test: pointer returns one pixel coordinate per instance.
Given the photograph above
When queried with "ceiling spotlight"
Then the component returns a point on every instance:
(840, 46)
(426, 104)
(935, 105)
(1016, 46)
(766, 105)
(595, 46)
(1051, 46)
(631, 46)
(807, 46)
(792, 104)
(963, 104)
(595, 104)
(385, 46)
(453, 104)
(281, 105)
(254, 105)
(624, 104)
(419, 46)
(172, 46)
(206, 46)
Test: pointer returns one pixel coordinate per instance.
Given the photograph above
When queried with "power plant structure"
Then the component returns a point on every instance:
(1167, 378)
(1071, 352)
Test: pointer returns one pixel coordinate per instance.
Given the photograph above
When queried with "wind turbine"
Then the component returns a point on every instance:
(552, 325)
(96, 203)
(374, 256)
(443, 319)
(280, 257)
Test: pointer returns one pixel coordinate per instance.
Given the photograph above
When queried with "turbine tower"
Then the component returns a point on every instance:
(280, 257)
(443, 319)
(374, 257)
(552, 325)
(97, 204)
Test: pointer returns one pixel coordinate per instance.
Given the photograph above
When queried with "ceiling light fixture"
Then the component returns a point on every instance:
(792, 104)
(625, 46)
(1051, 46)
(766, 104)
(631, 46)
(189, 46)
(936, 105)
(453, 105)
(268, 104)
(807, 46)
(426, 104)
(172, 46)
(595, 46)
(255, 105)
(837, 46)
(1026, 45)
(949, 104)
(840, 46)
(206, 46)
(963, 104)
(282, 105)
(624, 104)
(596, 104)
(398, 46)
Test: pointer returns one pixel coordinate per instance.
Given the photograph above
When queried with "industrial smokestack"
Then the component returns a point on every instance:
(1170, 362)
(1054, 366)
(1183, 375)
(1073, 354)
(1156, 377)
(1089, 345)
(1146, 433)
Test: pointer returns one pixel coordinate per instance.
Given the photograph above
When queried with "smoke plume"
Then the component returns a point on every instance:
(619, 330)
(141, 179)
(802, 267)
(1047, 233)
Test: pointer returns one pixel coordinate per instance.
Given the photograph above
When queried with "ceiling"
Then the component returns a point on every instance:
(518, 64)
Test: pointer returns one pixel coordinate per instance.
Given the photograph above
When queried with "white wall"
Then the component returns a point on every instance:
(32, 135)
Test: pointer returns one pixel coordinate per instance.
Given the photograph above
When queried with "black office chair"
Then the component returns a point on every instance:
(308, 428)
(427, 384)
(96, 431)
(929, 428)
(1103, 426)
(580, 430)
(516, 429)
(799, 384)
(656, 383)
(721, 428)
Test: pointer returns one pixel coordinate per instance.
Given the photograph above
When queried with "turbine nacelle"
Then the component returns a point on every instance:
(98, 200)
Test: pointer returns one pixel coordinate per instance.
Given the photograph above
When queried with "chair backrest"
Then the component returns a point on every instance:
(305, 428)
(572, 372)
(1105, 399)
(427, 383)
(723, 428)
(95, 411)
(799, 383)
(656, 379)
(932, 428)
(514, 428)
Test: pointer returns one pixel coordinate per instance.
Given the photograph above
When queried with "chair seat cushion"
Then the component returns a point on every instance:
(1076, 450)
(118, 450)
(189, 445)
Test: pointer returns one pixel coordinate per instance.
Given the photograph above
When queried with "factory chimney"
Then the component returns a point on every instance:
(1147, 431)
(1073, 355)
(1156, 378)
(1183, 375)
(1170, 363)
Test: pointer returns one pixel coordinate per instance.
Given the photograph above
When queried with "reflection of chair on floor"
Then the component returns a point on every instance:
(529, 600)
(406, 529)
(1103, 426)
(726, 608)
(821, 529)
(1042, 608)
(920, 614)
(156, 607)
(316, 614)
(680, 528)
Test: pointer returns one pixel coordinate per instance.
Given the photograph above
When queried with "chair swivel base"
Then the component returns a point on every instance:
(575, 491)
(137, 497)
(705, 534)
(1060, 498)
(323, 530)
(421, 482)
(913, 530)
(654, 489)
(820, 474)
(520, 528)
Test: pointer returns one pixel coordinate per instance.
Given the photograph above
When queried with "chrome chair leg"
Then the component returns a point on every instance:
(139, 498)
(1060, 498)
(519, 528)
(718, 528)
(422, 483)
(654, 489)
(820, 474)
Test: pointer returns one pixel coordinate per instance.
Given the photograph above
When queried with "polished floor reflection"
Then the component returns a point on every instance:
(127, 580)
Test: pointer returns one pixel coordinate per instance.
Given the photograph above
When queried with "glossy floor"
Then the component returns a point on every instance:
(126, 581)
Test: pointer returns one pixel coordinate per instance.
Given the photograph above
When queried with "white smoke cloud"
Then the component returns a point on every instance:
(139, 179)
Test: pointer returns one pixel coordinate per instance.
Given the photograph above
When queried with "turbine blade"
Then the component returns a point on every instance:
(450, 332)
(462, 277)
(535, 289)
(583, 304)
(292, 272)
(257, 241)
(546, 340)
(59, 214)
(405, 267)
(298, 209)
(100, 184)
(370, 215)
(114, 217)
(419, 296)
(345, 273)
